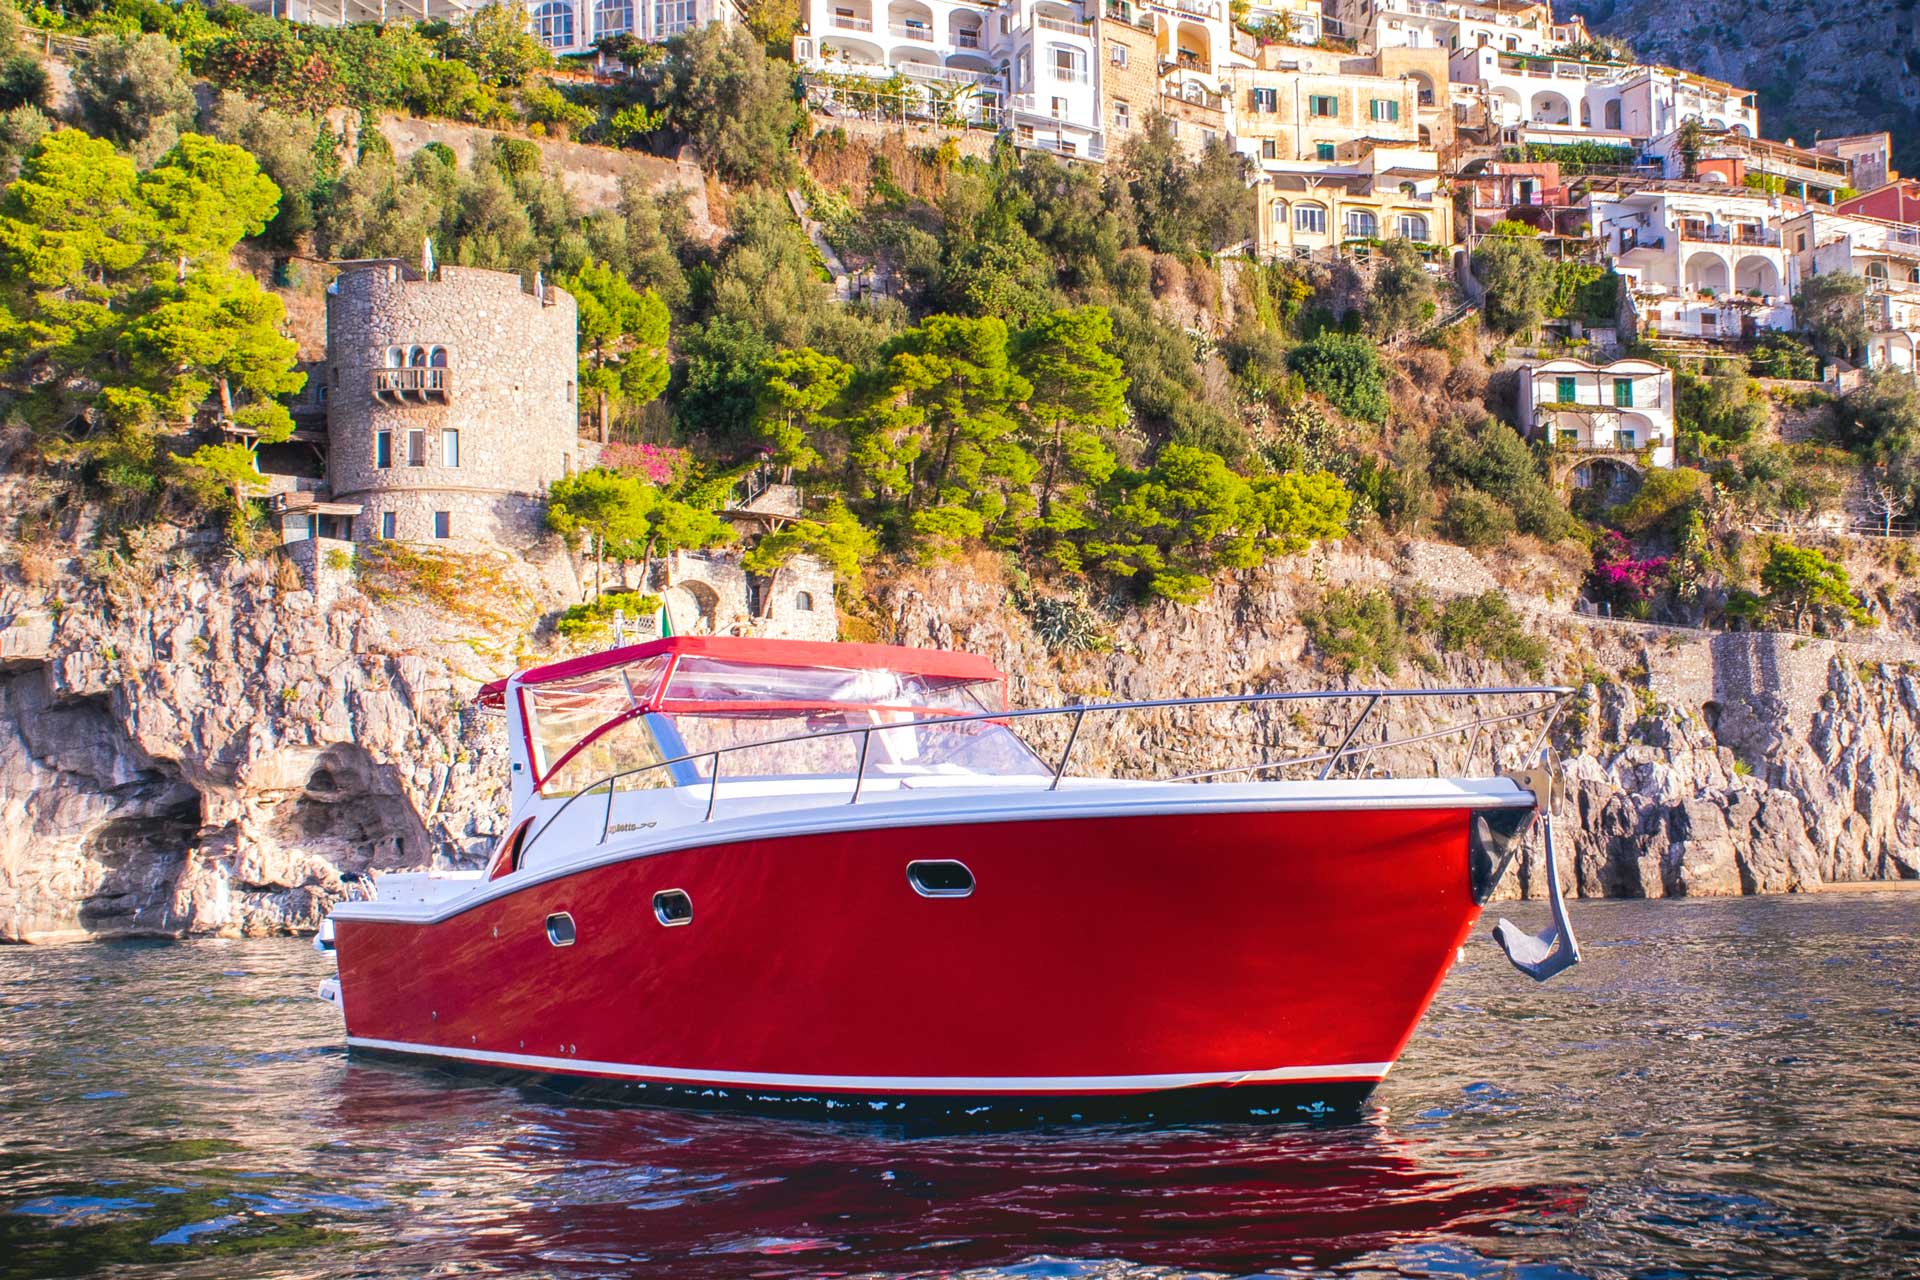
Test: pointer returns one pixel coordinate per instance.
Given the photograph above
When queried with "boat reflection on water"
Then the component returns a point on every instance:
(546, 1183)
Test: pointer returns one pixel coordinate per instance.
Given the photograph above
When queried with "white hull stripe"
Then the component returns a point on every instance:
(965, 1085)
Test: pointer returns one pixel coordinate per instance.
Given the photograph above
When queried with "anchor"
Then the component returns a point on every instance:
(1540, 956)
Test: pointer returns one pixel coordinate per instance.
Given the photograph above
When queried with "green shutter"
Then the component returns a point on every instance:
(1567, 391)
(1623, 392)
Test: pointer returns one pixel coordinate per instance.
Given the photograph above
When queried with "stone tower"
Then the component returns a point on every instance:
(450, 401)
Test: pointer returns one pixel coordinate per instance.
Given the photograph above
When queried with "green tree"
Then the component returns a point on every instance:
(24, 82)
(1186, 206)
(1832, 310)
(495, 42)
(1347, 371)
(1402, 297)
(1726, 405)
(837, 537)
(1078, 399)
(132, 90)
(623, 335)
(941, 440)
(735, 104)
(1804, 585)
(1691, 143)
(800, 387)
(1514, 273)
(606, 507)
(1171, 527)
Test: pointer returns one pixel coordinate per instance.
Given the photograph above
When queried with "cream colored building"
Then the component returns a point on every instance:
(1371, 191)
(1622, 408)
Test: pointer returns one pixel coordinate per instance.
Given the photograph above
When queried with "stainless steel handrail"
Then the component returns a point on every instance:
(1559, 694)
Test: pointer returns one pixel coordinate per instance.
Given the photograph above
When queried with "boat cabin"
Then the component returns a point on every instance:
(688, 728)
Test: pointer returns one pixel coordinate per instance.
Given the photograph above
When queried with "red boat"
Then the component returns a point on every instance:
(768, 873)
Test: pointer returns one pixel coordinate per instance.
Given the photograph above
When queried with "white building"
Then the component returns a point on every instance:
(1589, 411)
(1583, 99)
(564, 26)
(575, 26)
(1515, 26)
(1887, 254)
(1026, 62)
(1699, 262)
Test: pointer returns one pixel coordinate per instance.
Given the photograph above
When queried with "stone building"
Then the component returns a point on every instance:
(450, 400)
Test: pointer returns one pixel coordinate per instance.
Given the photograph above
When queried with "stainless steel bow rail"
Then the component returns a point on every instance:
(1555, 697)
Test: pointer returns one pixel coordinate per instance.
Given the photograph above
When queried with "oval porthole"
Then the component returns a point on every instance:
(672, 907)
(560, 929)
(940, 879)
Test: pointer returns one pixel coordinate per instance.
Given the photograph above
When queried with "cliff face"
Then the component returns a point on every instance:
(1817, 68)
(210, 753)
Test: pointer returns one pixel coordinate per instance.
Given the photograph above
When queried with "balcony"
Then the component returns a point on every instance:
(1064, 27)
(946, 75)
(907, 31)
(415, 384)
(843, 23)
(966, 39)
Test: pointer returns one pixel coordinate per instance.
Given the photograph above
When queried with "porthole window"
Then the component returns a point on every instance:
(560, 931)
(941, 878)
(672, 907)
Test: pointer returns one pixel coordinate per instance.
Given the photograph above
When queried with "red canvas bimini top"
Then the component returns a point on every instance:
(765, 653)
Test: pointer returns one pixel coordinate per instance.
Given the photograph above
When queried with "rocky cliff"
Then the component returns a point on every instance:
(210, 746)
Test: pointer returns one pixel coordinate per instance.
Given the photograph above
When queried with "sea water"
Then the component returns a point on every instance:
(1725, 1088)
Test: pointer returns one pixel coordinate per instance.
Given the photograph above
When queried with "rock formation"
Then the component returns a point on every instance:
(213, 751)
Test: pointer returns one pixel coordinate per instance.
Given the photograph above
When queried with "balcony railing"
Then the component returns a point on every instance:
(947, 75)
(1060, 25)
(411, 383)
(966, 39)
(1070, 75)
(901, 31)
(845, 23)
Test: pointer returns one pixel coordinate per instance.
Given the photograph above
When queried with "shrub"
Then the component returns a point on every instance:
(1347, 371)
(590, 620)
(1487, 625)
(1665, 499)
(1475, 519)
(1363, 630)
(23, 82)
(133, 91)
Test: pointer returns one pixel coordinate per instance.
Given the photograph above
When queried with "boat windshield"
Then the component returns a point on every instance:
(575, 728)
(715, 705)
(621, 719)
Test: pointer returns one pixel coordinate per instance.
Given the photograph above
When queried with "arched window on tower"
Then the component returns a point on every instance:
(437, 357)
(417, 358)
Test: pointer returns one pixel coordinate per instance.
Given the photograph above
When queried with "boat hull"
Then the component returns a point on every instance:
(1242, 960)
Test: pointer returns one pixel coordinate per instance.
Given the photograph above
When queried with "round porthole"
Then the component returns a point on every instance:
(943, 878)
(672, 907)
(560, 929)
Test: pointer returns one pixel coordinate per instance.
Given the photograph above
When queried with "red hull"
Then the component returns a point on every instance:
(1096, 956)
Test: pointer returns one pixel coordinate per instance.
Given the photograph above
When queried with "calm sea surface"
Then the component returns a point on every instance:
(1722, 1089)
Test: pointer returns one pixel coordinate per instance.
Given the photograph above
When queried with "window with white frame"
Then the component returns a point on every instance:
(612, 17)
(450, 448)
(1310, 218)
(1413, 226)
(674, 17)
(1266, 100)
(1069, 64)
(553, 24)
(1117, 54)
(1385, 109)
(1362, 225)
(1122, 116)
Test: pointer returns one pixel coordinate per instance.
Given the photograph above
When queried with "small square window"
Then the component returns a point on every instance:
(1623, 393)
(1269, 149)
(416, 448)
(1323, 151)
(383, 448)
(389, 525)
(1117, 54)
(1566, 390)
(443, 524)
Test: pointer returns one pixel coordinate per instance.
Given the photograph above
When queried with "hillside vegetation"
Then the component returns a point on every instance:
(1068, 368)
